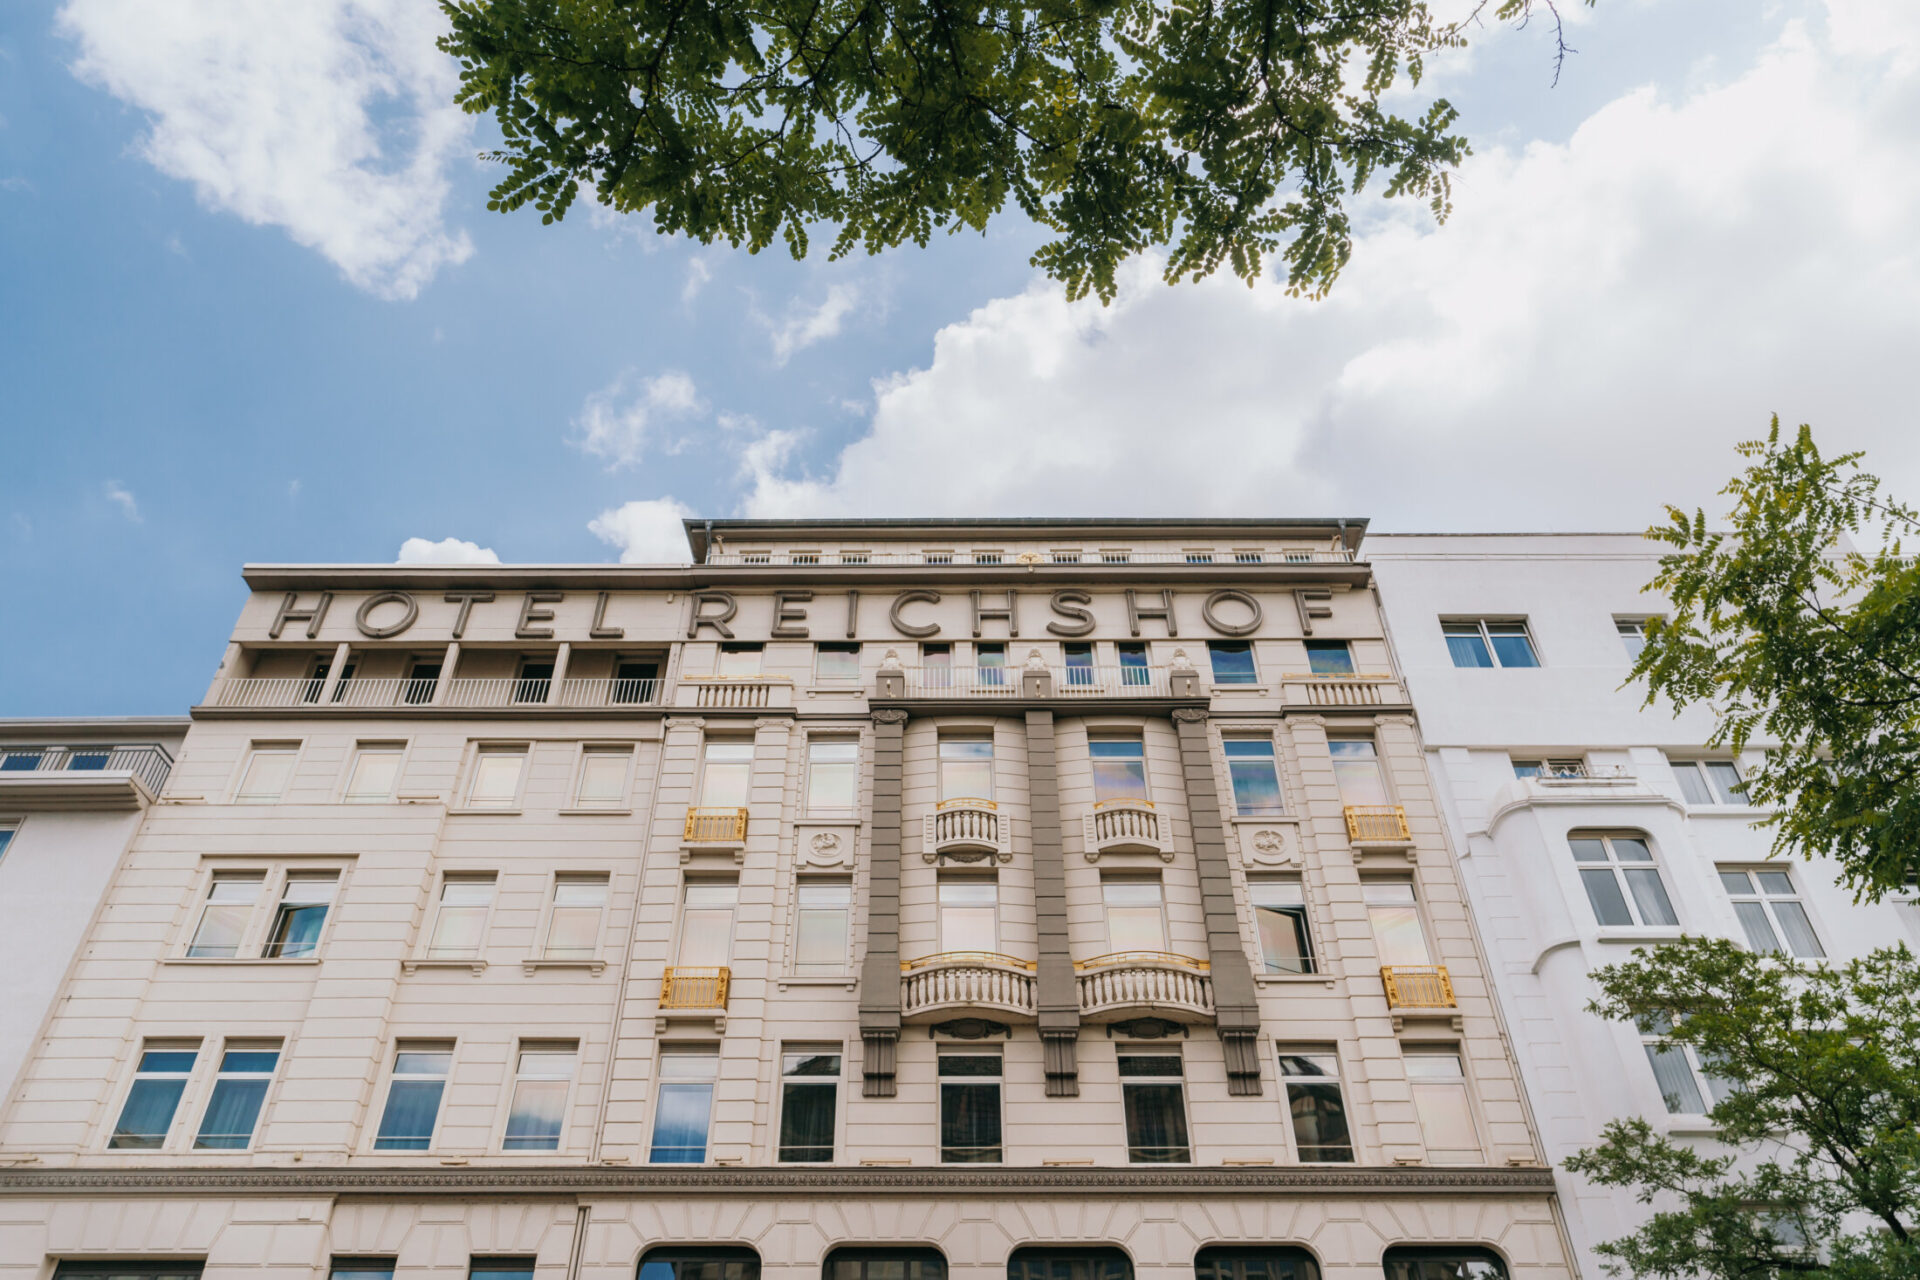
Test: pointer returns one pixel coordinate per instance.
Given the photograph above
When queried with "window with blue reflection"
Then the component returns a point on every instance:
(1256, 778)
(1133, 665)
(234, 1107)
(147, 1114)
(413, 1097)
(361, 1269)
(685, 1105)
(683, 1262)
(1329, 658)
(1119, 769)
(1232, 662)
(1079, 665)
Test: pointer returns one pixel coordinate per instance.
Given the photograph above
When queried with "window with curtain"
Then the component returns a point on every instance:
(969, 913)
(1136, 915)
(543, 1074)
(1394, 915)
(706, 923)
(159, 1078)
(1479, 642)
(726, 775)
(833, 660)
(833, 777)
(1771, 912)
(683, 1107)
(239, 1089)
(1709, 781)
(822, 925)
(603, 777)
(460, 921)
(1687, 1087)
(414, 1091)
(1622, 880)
(1438, 1080)
(496, 777)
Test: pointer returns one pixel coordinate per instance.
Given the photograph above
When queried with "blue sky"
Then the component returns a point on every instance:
(213, 352)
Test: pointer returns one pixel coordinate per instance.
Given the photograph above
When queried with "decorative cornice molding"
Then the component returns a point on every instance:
(583, 1180)
(1190, 715)
(890, 715)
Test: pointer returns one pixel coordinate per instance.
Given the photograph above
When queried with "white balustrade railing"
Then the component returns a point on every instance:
(603, 691)
(967, 981)
(962, 682)
(1124, 824)
(268, 692)
(1362, 689)
(737, 691)
(1113, 682)
(497, 691)
(966, 823)
(1171, 984)
(1023, 559)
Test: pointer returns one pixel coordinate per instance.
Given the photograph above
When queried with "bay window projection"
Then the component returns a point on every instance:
(809, 1093)
(1316, 1111)
(1280, 914)
(1622, 880)
(969, 914)
(1136, 915)
(414, 1090)
(543, 1074)
(966, 768)
(1119, 769)
(1255, 773)
(684, 1108)
(159, 1078)
(1771, 912)
(239, 1090)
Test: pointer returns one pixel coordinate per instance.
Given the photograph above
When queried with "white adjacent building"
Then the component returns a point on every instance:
(1586, 823)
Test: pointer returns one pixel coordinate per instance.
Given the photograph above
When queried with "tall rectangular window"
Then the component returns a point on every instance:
(970, 1108)
(541, 1080)
(936, 665)
(223, 921)
(304, 904)
(1684, 1087)
(1280, 910)
(822, 926)
(833, 777)
(1478, 642)
(1256, 776)
(158, 1081)
(739, 660)
(535, 680)
(1136, 917)
(635, 680)
(809, 1092)
(1134, 668)
(835, 661)
(1395, 919)
(1329, 658)
(1710, 781)
(233, 1109)
(1566, 768)
(603, 777)
(1439, 1085)
(1064, 556)
(573, 926)
(266, 774)
(1610, 864)
(1156, 1109)
(1119, 769)
(1232, 662)
(1357, 772)
(496, 777)
(460, 920)
(966, 768)
(990, 664)
(1116, 555)
(423, 679)
(1080, 673)
(1315, 1107)
(6, 837)
(969, 914)
(726, 775)
(413, 1095)
(706, 923)
(1633, 635)
(684, 1108)
(1770, 911)
(375, 773)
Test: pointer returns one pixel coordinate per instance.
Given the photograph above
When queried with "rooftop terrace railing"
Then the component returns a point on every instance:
(1022, 559)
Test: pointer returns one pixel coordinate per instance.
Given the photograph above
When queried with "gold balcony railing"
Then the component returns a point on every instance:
(1376, 822)
(725, 826)
(949, 959)
(684, 988)
(1159, 958)
(1418, 986)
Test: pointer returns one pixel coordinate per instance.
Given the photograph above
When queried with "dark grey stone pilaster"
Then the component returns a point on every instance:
(880, 971)
(1058, 995)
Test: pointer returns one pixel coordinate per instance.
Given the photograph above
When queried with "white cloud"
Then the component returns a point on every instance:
(804, 326)
(445, 551)
(119, 495)
(647, 532)
(332, 119)
(615, 421)
(1585, 338)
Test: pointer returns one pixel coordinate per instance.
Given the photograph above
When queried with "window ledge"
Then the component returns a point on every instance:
(1692, 1126)
(849, 981)
(466, 812)
(1623, 933)
(476, 964)
(593, 811)
(271, 961)
(846, 688)
(1291, 979)
(1218, 689)
(1727, 810)
(1243, 819)
(535, 963)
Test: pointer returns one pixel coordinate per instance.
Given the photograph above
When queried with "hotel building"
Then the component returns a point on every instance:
(870, 900)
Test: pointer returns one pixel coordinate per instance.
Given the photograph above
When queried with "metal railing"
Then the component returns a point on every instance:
(1113, 682)
(1144, 980)
(497, 691)
(1114, 824)
(1376, 822)
(421, 691)
(716, 826)
(1023, 559)
(962, 682)
(967, 979)
(605, 691)
(1417, 986)
(685, 988)
(1339, 689)
(150, 764)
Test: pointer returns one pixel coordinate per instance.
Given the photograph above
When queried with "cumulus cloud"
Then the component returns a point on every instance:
(803, 326)
(617, 420)
(120, 496)
(647, 532)
(445, 551)
(331, 119)
(1586, 337)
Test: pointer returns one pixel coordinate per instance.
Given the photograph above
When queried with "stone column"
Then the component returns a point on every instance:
(880, 971)
(1057, 994)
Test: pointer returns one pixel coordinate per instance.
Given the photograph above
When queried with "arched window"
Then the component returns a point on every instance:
(1443, 1262)
(1074, 1262)
(1254, 1262)
(884, 1264)
(694, 1262)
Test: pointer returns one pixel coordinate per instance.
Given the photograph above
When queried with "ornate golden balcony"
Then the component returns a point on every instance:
(967, 982)
(716, 826)
(1381, 823)
(1126, 826)
(967, 828)
(1129, 984)
(685, 988)
(1418, 986)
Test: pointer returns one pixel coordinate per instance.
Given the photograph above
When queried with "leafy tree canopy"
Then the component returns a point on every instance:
(1788, 631)
(1227, 130)
(1819, 1170)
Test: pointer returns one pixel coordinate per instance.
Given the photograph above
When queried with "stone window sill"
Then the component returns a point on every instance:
(532, 964)
(1624, 933)
(476, 964)
(460, 812)
(595, 811)
(252, 961)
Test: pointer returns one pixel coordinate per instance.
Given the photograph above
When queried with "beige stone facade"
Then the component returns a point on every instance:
(574, 845)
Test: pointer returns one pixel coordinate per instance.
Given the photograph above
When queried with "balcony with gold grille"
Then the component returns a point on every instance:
(958, 984)
(1145, 984)
(967, 829)
(685, 989)
(1377, 826)
(716, 829)
(1126, 826)
(1418, 988)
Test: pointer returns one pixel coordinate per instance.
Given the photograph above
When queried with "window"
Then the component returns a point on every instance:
(496, 777)
(1298, 556)
(423, 678)
(6, 838)
(856, 557)
(803, 557)
(318, 680)
(375, 772)
(1395, 919)
(936, 665)
(685, 1105)
(1329, 658)
(1356, 770)
(1136, 920)
(158, 1081)
(1119, 769)
(1247, 557)
(1084, 1263)
(536, 680)
(360, 1269)
(969, 914)
(413, 1095)
(822, 926)
(461, 919)
(1232, 662)
(1268, 1263)
(238, 1090)
(990, 663)
(727, 776)
(1280, 912)
(1439, 1085)
(885, 1264)
(1256, 776)
(540, 1084)
(635, 680)
(809, 1088)
(987, 557)
(500, 1269)
(836, 662)
(1684, 1086)
(223, 921)
(573, 926)
(966, 768)
(1610, 863)
(86, 761)
(1412, 1262)
(706, 923)
(1633, 634)
(1066, 557)
(739, 660)
(1155, 1108)
(1480, 643)
(304, 904)
(1710, 781)
(128, 1271)
(678, 1262)
(21, 761)
(1116, 556)
(1199, 557)
(970, 1108)
(1133, 664)
(1080, 672)
(603, 777)
(937, 557)
(267, 770)
(1538, 768)
(1770, 910)
(833, 777)
(756, 557)
(1314, 1105)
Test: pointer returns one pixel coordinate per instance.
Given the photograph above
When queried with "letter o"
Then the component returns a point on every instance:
(371, 603)
(1248, 627)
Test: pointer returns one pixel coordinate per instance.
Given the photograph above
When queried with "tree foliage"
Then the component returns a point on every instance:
(1789, 632)
(1819, 1170)
(1228, 130)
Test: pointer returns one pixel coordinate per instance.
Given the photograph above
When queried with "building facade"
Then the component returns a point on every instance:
(1060, 899)
(1588, 824)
